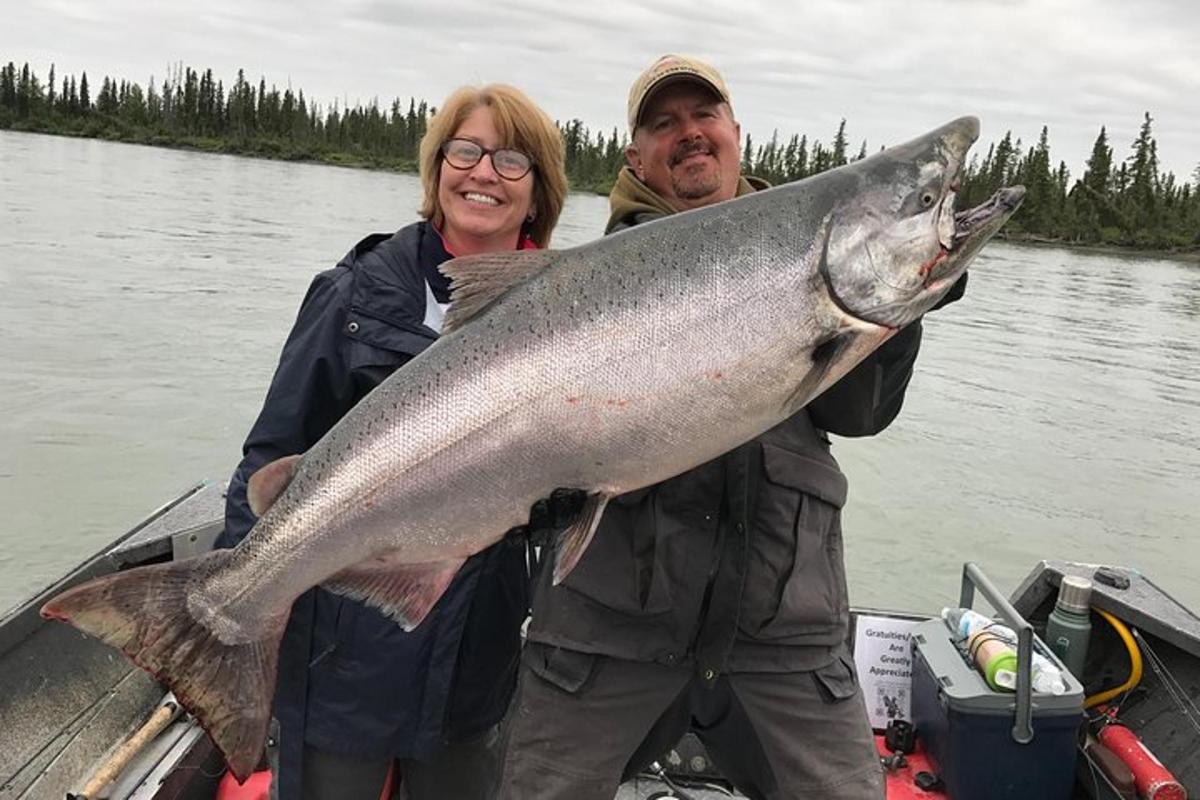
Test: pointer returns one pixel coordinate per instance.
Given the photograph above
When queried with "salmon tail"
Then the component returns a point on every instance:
(144, 613)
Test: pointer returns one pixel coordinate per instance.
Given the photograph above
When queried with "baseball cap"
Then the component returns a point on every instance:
(668, 69)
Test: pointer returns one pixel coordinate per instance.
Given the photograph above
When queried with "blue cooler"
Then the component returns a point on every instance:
(989, 745)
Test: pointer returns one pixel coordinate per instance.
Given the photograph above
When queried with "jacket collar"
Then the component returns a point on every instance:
(631, 199)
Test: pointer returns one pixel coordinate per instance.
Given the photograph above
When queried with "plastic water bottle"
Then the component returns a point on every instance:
(1069, 626)
(1047, 677)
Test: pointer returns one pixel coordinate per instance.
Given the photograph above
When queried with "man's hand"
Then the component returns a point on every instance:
(548, 516)
(956, 292)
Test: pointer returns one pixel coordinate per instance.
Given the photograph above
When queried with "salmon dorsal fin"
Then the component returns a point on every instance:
(575, 539)
(265, 485)
(405, 592)
(478, 281)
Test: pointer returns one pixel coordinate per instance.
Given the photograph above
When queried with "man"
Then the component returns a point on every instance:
(716, 600)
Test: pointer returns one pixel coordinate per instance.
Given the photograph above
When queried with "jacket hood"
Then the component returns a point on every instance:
(632, 201)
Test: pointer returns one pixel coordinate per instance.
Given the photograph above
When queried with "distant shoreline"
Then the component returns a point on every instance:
(263, 151)
(406, 167)
(1190, 256)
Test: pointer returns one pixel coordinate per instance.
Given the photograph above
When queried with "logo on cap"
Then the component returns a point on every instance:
(669, 69)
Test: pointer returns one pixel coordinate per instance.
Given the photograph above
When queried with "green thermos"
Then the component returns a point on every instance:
(1070, 624)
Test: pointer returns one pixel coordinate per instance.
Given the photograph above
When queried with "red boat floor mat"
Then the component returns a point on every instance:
(901, 782)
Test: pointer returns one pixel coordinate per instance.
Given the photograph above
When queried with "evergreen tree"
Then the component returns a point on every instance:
(220, 112)
(1143, 166)
(1001, 162)
(8, 86)
(791, 155)
(153, 104)
(614, 155)
(133, 106)
(1064, 213)
(85, 102)
(1099, 165)
(819, 161)
(410, 129)
(106, 101)
(24, 92)
(839, 145)
(1034, 172)
(1094, 210)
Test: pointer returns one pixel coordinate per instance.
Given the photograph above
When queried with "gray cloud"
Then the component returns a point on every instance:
(891, 69)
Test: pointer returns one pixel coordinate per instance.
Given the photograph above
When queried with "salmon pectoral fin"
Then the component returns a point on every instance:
(405, 592)
(144, 613)
(268, 482)
(575, 539)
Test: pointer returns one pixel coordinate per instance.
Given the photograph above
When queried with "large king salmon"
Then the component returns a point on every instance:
(605, 367)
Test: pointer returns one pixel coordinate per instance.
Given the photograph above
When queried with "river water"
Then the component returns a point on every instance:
(145, 294)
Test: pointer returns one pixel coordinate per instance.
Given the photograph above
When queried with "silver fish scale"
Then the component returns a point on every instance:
(624, 362)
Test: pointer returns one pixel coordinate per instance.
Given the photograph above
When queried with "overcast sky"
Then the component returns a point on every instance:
(892, 69)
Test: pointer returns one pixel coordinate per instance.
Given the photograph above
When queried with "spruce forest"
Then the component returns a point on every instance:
(1123, 198)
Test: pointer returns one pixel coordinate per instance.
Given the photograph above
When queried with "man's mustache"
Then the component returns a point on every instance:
(690, 148)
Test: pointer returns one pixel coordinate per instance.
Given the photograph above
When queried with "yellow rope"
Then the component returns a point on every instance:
(1135, 663)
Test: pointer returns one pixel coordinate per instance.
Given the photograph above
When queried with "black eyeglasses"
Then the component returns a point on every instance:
(512, 165)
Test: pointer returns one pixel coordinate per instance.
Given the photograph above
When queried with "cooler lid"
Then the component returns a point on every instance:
(965, 690)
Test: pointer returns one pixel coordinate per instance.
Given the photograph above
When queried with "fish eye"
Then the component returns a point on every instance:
(927, 199)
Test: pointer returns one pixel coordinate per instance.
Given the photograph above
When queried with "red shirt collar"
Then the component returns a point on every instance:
(526, 242)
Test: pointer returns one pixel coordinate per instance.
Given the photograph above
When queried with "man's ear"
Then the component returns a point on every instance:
(632, 157)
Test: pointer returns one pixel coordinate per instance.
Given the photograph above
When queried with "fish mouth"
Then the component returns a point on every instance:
(987, 216)
(972, 228)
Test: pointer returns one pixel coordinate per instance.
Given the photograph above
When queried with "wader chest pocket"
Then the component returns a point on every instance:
(795, 582)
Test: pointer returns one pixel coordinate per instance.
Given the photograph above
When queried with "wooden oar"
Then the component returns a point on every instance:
(108, 772)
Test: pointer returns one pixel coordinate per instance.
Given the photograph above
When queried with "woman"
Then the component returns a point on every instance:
(357, 696)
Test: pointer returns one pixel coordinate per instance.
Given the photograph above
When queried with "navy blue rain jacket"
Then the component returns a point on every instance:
(350, 680)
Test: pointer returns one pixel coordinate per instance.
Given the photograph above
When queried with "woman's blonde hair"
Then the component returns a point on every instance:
(522, 126)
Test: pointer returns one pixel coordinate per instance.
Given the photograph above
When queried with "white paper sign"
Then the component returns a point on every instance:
(883, 656)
